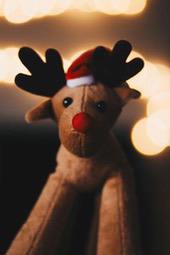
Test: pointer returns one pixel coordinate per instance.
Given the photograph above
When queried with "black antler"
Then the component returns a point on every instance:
(110, 67)
(46, 78)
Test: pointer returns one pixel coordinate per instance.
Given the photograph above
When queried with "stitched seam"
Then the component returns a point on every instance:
(41, 225)
(55, 193)
(121, 219)
(82, 108)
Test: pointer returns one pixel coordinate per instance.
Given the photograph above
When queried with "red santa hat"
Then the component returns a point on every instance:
(79, 73)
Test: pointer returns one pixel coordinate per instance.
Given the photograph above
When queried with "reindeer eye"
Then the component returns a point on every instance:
(101, 106)
(67, 101)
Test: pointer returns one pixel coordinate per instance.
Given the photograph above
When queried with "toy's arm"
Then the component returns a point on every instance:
(48, 220)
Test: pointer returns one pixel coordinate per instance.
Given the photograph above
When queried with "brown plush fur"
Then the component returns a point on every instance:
(86, 163)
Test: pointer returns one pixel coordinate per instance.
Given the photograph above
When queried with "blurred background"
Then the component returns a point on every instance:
(27, 152)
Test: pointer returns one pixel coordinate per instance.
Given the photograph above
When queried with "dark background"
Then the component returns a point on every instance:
(27, 152)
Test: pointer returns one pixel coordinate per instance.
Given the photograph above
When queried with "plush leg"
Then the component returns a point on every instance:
(118, 234)
(42, 233)
(92, 241)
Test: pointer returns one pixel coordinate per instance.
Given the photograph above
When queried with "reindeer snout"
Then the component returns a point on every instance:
(82, 122)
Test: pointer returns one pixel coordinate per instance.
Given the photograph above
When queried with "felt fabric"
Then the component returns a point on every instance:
(113, 227)
(85, 99)
(48, 220)
(91, 167)
(121, 237)
(107, 66)
(46, 77)
(111, 68)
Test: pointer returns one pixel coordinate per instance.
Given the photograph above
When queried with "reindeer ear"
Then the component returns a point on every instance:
(126, 93)
(42, 111)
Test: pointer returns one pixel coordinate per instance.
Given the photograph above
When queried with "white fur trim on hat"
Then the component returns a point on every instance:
(85, 80)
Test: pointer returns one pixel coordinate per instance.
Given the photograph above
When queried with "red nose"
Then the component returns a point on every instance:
(82, 122)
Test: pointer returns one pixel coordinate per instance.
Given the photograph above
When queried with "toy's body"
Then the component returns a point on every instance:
(89, 161)
(115, 202)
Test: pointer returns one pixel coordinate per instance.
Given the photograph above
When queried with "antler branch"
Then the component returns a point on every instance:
(46, 77)
(111, 68)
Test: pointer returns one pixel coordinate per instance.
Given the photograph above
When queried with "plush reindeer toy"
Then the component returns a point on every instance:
(92, 172)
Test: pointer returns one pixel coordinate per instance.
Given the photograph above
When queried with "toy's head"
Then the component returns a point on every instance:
(86, 101)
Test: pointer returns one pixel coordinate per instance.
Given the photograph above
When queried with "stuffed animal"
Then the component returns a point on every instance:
(85, 103)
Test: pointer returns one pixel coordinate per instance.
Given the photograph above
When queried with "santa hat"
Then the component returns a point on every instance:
(79, 72)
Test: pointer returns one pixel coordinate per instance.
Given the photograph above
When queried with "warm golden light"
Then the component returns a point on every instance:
(158, 128)
(113, 7)
(121, 6)
(142, 141)
(60, 6)
(106, 7)
(44, 7)
(164, 76)
(67, 62)
(154, 84)
(135, 54)
(85, 5)
(76, 55)
(159, 102)
(1, 7)
(146, 80)
(4, 66)
(10, 65)
(19, 11)
(151, 80)
(136, 6)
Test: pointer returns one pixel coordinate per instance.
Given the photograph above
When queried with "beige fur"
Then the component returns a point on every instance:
(86, 163)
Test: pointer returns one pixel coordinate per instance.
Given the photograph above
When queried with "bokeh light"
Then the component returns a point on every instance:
(136, 6)
(159, 102)
(59, 6)
(106, 7)
(85, 5)
(1, 7)
(114, 7)
(19, 11)
(154, 84)
(10, 65)
(44, 7)
(158, 128)
(67, 62)
(142, 141)
(150, 75)
(121, 6)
